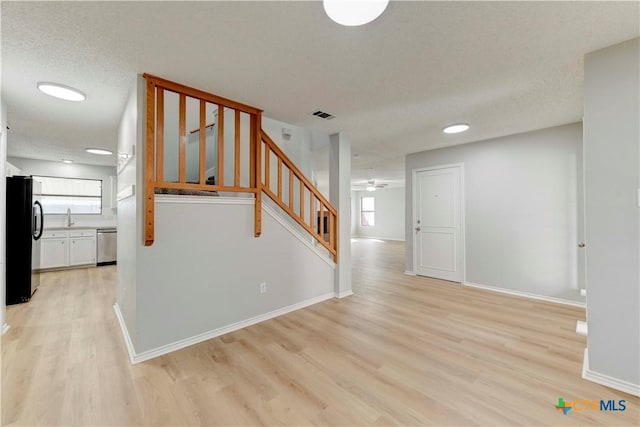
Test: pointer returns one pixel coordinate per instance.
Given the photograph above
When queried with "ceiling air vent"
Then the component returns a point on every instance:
(323, 115)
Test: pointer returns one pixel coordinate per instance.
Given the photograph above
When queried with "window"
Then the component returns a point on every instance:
(367, 212)
(82, 196)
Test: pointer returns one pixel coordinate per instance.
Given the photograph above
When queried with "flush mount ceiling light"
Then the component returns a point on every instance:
(99, 151)
(457, 128)
(67, 161)
(61, 91)
(354, 12)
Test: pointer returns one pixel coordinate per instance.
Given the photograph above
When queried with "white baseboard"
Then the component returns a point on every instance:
(125, 333)
(526, 295)
(582, 328)
(409, 273)
(379, 238)
(177, 345)
(606, 380)
(5, 328)
(344, 294)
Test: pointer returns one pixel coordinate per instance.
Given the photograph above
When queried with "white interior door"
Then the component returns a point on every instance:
(438, 223)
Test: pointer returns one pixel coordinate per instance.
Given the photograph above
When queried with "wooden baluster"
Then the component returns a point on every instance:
(203, 142)
(312, 220)
(257, 212)
(236, 172)
(301, 200)
(291, 188)
(160, 136)
(321, 216)
(182, 139)
(220, 177)
(255, 140)
(279, 178)
(149, 208)
(331, 234)
(267, 171)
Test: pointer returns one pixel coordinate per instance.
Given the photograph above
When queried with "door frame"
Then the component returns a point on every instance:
(414, 176)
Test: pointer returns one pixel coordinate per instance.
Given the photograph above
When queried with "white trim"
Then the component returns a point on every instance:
(177, 345)
(203, 200)
(5, 328)
(606, 380)
(582, 328)
(409, 273)
(344, 294)
(463, 237)
(306, 239)
(125, 333)
(526, 295)
(379, 238)
(126, 192)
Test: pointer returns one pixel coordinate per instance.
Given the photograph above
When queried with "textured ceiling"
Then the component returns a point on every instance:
(503, 67)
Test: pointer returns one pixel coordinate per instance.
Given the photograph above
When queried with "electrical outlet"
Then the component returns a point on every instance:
(263, 288)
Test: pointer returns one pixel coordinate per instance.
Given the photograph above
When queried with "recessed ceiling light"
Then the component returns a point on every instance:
(353, 13)
(61, 91)
(99, 151)
(458, 127)
(67, 161)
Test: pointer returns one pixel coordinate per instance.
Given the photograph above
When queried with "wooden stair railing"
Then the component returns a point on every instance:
(320, 221)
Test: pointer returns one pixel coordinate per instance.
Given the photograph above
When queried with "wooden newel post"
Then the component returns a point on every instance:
(258, 175)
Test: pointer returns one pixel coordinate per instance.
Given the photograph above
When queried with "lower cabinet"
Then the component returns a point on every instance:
(53, 253)
(62, 248)
(82, 250)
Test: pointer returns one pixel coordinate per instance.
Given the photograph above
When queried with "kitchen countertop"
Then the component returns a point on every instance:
(79, 227)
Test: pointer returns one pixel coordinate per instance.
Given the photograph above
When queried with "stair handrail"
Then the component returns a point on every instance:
(324, 232)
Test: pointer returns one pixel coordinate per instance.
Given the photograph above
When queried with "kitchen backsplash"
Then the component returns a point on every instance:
(54, 221)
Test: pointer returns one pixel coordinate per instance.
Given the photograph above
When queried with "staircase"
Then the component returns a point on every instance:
(241, 158)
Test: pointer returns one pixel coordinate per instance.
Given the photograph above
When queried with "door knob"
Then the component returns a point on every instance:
(418, 229)
(581, 245)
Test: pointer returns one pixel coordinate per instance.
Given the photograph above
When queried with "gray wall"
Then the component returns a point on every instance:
(612, 179)
(389, 214)
(130, 232)
(204, 269)
(523, 203)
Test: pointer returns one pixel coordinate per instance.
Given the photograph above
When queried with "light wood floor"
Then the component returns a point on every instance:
(402, 351)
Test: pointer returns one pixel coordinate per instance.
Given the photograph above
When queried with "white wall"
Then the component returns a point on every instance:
(523, 201)
(130, 231)
(204, 270)
(3, 204)
(389, 214)
(59, 169)
(612, 179)
(354, 212)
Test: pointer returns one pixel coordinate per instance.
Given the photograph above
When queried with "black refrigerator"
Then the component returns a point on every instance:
(25, 223)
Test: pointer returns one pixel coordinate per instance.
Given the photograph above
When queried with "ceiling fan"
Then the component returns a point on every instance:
(372, 186)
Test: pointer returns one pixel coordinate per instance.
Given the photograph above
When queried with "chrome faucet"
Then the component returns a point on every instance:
(69, 222)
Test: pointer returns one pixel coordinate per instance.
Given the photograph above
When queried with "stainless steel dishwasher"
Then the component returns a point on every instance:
(107, 246)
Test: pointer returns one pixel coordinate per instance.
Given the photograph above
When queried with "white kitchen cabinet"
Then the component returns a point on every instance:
(68, 248)
(54, 253)
(82, 250)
